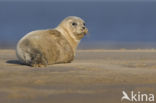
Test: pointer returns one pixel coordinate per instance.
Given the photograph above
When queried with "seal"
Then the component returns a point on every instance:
(52, 46)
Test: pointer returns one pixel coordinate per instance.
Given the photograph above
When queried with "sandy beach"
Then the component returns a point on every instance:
(95, 76)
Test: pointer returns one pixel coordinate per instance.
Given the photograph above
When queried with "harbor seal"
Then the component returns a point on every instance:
(52, 46)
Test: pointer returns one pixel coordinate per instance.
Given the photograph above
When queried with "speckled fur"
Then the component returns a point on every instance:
(45, 47)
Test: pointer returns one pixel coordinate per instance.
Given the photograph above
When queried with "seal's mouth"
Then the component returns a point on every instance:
(81, 34)
(85, 31)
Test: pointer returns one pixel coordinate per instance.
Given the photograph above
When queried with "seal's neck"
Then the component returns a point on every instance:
(69, 37)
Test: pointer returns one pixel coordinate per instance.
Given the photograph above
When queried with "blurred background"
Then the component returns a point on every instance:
(112, 24)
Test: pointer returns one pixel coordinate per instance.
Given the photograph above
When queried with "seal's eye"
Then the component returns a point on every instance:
(74, 24)
(84, 24)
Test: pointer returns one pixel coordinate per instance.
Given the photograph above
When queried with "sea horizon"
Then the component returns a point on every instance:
(99, 45)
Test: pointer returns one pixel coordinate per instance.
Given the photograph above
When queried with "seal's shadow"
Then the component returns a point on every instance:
(14, 62)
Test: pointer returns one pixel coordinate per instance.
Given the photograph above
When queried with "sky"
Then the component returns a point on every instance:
(107, 21)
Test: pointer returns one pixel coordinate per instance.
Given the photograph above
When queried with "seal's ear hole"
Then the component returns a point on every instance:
(74, 24)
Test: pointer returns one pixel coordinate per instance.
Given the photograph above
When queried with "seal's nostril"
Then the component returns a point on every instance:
(83, 28)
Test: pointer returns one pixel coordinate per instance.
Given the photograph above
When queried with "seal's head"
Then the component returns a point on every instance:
(75, 26)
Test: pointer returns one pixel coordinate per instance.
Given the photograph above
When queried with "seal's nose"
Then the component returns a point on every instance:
(83, 27)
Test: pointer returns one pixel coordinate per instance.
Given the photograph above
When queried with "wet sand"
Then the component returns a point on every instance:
(95, 76)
